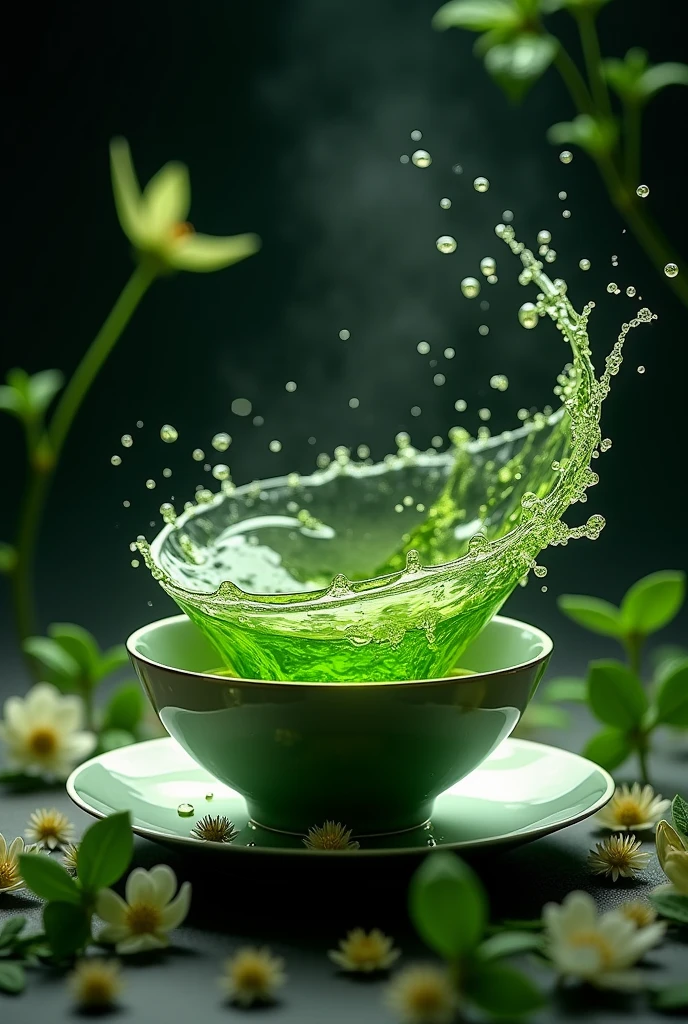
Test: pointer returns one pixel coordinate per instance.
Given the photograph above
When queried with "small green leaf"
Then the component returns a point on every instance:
(113, 659)
(550, 6)
(125, 708)
(518, 63)
(67, 928)
(113, 739)
(567, 688)
(672, 697)
(597, 136)
(679, 812)
(665, 658)
(447, 905)
(12, 977)
(11, 929)
(8, 557)
(673, 997)
(673, 906)
(502, 991)
(509, 944)
(624, 75)
(57, 666)
(105, 852)
(78, 643)
(660, 76)
(653, 602)
(11, 401)
(592, 613)
(476, 15)
(608, 748)
(47, 878)
(43, 386)
(616, 696)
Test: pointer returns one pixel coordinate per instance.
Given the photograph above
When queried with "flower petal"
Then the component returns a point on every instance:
(140, 943)
(126, 191)
(14, 715)
(41, 701)
(167, 198)
(69, 715)
(204, 253)
(111, 907)
(164, 883)
(79, 745)
(139, 887)
(3, 847)
(112, 933)
(175, 912)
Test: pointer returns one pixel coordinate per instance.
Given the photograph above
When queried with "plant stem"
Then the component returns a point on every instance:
(40, 471)
(574, 81)
(632, 133)
(593, 60)
(642, 760)
(634, 649)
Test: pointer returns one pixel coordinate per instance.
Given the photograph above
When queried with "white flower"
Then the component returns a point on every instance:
(596, 948)
(149, 913)
(253, 976)
(49, 828)
(365, 952)
(95, 983)
(423, 994)
(44, 732)
(618, 856)
(10, 878)
(673, 858)
(633, 807)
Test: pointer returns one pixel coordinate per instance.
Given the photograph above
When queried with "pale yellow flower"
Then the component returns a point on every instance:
(633, 808)
(596, 948)
(365, 952)
(618, 856)
(10, 878)
(49, 828)
(214, 830)
(330, 836)
(423, 995)
(639, 913)
(155, 219)
(44, 732)
(149, 913)
(69, 855)
(95, 983)
(673, 857)
(253, 976)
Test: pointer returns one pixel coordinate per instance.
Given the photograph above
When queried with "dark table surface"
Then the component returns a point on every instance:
(301, 908)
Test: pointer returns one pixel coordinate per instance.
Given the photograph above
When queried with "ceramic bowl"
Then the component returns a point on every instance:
(373, 756)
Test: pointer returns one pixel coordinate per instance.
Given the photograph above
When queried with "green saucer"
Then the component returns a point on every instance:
(522, 791)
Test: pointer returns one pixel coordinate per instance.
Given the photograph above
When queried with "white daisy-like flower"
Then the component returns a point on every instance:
(633, 808)
(69, 857)
(95, 983)
(10, 878)
(365, 952)
(673, 858)
(618, 856)
(49, 828)
(43, 732)
(641, 914)
(143, 921)
(332, 835)
(422, 994)
(253, 976)
(599, 949)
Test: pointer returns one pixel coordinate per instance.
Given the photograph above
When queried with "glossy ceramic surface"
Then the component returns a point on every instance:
(373, 755)
(522, 791)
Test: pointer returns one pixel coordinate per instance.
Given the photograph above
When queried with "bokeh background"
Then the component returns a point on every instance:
(292, 118)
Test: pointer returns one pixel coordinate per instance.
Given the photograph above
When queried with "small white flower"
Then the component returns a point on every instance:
(365, 952)
(10, 878)
(423, 994)
(673, 858)
(618, 856)
(633, 808)
(49, 828)
(44, 732)
(596, 948)
(149, 913)
(253, 976)
(95, 983)
(641, 914)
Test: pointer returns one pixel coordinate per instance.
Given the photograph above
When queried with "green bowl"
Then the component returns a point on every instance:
(370, 755)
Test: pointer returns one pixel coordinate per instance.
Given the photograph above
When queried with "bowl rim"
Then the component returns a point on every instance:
(136, 656)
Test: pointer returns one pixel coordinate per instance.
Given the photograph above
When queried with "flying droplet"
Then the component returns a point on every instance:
(416, 410)
(528, 316)
(354, 403)
(481, 184)
(221, 442)
(630, 291)
(470, 287)
(198, 454)
(563, 196)
(127, 440)
(290, 386)
(457, 169)
(492, 279)
(423, 347)
(507, 216)
(671, 270)
(483, 330)
(168, 433)
(344, 335)
(150, 484)
(185, 810)
(544, 237)
(449, 353)
(421, 158)
(584, 264)
(221, 472)
(167, 512)
(566, 214)
(116, 460)
(566, 156)
(445, 243)
(488, 266)
(500, 382)
(167, 472)
(484, 414)
(275, 446)
(404, 158)
(416, 135)
(550, 255)
(613, 288)
(439, 379)
(460, 405)
(445, 204)
(643, 191)
(135, 563)
(241, 407)
(641, 369)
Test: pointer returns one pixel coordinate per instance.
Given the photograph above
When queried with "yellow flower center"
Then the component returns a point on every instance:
(8, 873)
(143, 918)
(181, 229)
(426, 998)
(639, 914)
(97, 989)
(596, 941)
(364, 950)
(628, 812)
(42, 742)
(252, 976)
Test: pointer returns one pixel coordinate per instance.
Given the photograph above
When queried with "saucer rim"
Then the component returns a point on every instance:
(508, 838)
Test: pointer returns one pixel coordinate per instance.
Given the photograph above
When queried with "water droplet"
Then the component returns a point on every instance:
(492, 279)
(483, 330)
(135, 563)
(671, 270)
(416, 135)
(290, 386)
(481, 184)
(470, 287)
(613, 288)
(127, 440)
(457, 169)
(139, 423)
(439, 379)
(198, 454)
(641, 369)
(460, 405)
(605, 444)
(630, 291)
(221, 472)
(209, 796)
(544, 588)
(168, 433)
(241, 407)
(566, 214)
(344, 335)
(445, 243)
(421, 158)
(221, 442)
(484, 305)
(507, 216)
(168, 513)
(167, 472)
(437, 441)
(566, 156)
(404, 158)
(484, 414)
(127, 504)
(550, 256)
(544, 237)
(584, 264)
(275, 446)
(563, 196)
(540, 570)
(488, 265)
(185, 810)
(528, 316)
(416, 410)
(500, 382)
(116, 460)
(423, 347)
(445, 204)
(643, 191)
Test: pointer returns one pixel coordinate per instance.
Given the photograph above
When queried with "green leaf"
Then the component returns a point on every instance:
(47, 878)
(113, 739)
(11, 929)
(679, 812)
(447, 904)
(509, 944)
(11, 401)
(665, 658)
(624, 75)
(105, 852)
(567, 688)
(597, 136)
(8, 557)
(79, 644)
(518, 63)
(660, 76)
(113, 659)
(592, 613)
(476, 15)
(608, 748)
(616, 695)
(653, 602)
(673, 997)
(672, 697)
(67, 928)
(550, 6)
(125, 708)
(43, 386)
(671, 905)
(502, 991)
(541, 716)
(57, 666)
(12, 977)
